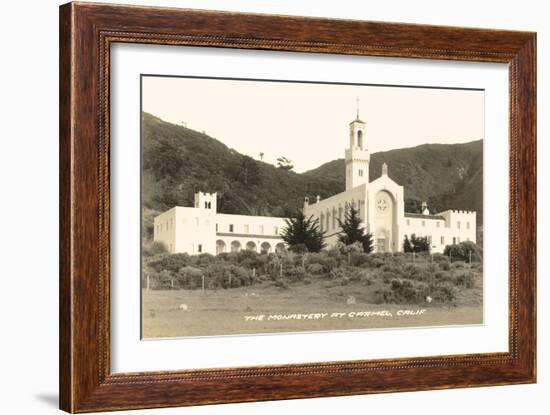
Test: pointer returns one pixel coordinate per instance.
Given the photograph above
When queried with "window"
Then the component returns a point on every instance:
(360, 172)
(276, 230)
(430, 239)
(262, 229)
(206, 205)
(200, 248)
(442, 240)
(467, 225)
(454, 240)
(423, 223)
(458, 224)
(438, 224)
(360, 139)
(216, 227)
(230, 228)
(246, 228)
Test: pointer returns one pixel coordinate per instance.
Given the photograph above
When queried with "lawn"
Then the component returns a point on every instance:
(312, 306)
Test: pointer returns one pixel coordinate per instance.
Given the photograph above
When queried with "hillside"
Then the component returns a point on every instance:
(177, 161)
(445, 175)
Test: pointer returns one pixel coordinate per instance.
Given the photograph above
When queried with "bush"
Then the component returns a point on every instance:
(406, 292)
(338, 273)
(295, 273)
(442, 293)
(374, 262)
(357, 274)
(154, 248)
(315, 269)
(445, 266)
(458, 264)
(189, 277)
(465, 279)
(462, 251)
(384, 296)
(281, 284)
(443, 276)
(359, 259)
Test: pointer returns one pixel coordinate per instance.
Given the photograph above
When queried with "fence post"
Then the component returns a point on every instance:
(202, 277)
(148, 282)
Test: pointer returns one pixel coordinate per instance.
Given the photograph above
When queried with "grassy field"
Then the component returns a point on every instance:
(300, 307)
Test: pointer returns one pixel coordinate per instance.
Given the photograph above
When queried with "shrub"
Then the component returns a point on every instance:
(295, 273)
(359, 259)
(457, 264)
(315, 269)
(338, 273)
(189, 277)
(463, 250)
(374, 262)
(406, 292)
(465, 279)
(367, 281)
(281, 284)
(443, 276)
(357, 274)
(442, 293)
(384, 296)
(396, 271)
(446, 266)
(344, 281)
(154, 248)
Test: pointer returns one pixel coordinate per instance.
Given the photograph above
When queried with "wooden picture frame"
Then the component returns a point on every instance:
(86, 33)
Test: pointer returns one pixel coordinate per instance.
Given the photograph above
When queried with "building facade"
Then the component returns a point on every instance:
(381, 206)
(200, 229)
(380, 203)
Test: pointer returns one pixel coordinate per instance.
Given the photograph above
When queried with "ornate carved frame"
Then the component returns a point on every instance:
(86, 33)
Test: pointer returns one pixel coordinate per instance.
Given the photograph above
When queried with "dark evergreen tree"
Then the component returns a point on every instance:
(407, 246)
(301, 231)
(416, 244)
(352, 231)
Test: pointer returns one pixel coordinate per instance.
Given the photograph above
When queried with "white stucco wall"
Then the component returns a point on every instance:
(200, 229)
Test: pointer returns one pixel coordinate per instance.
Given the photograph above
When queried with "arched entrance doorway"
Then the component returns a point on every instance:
(220, 247)
(280, 247)
(265, 248)
(384, 208)
(251, 246)
(235, 246)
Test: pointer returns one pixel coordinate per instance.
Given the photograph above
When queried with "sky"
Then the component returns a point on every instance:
(309, 122)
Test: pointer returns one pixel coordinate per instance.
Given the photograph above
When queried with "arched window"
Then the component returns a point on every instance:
(360, 139)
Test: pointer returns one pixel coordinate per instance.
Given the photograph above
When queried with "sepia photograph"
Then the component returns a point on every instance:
(276, 206)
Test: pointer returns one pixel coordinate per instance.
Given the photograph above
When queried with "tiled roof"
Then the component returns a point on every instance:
(421, 216)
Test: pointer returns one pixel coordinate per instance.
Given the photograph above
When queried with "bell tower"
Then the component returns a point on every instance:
(357, 155)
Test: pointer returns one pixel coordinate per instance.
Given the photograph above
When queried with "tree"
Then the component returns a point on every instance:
(352, 231)
(284, 163)
(416, 244)
(300, 230)
(407, 246)
(465, 251)
(249, 171)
